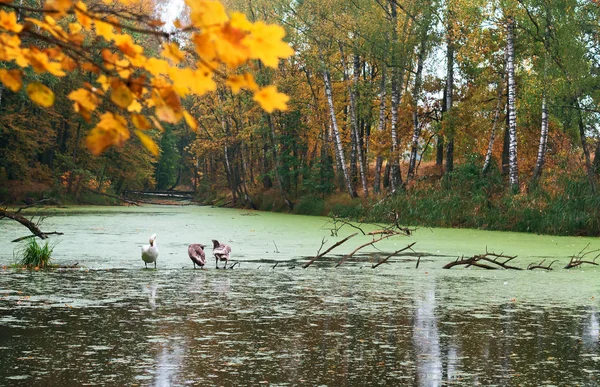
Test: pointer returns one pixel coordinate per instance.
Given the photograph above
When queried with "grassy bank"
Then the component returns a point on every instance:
(465, 199)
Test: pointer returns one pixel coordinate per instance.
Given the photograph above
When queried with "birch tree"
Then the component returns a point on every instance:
(512, 110)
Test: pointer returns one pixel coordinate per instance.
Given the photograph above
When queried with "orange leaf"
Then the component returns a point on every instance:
(84, 98)
(8, 22)
(11, 79)
(40, 94)
(111, 130)
(140, 122)
(171, 51)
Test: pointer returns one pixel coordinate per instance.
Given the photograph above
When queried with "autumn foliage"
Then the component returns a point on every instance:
(128, 89)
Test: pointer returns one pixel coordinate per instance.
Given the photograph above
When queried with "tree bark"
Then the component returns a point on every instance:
(414, 148)
(380, 128)
(488, 154)
(513, 168)
(541, 156)
(357, 154)
(449, 100)
(355, 127)
(397, 77)
(586, 150)
(336, 132)
(276, 164)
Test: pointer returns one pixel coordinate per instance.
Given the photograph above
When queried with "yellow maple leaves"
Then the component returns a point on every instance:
(270, 99)
(141, 91)
(8, 22)
(11, 79)
(111, 130)
(40, 94)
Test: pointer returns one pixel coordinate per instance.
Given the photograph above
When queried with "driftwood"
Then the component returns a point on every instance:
(540, 265)
(134, 203)
(345, 257)
(488, 261)
(384, 260)
(577, 260)
(34, 227)
(319, 255)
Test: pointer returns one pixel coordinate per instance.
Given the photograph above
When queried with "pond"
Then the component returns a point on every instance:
(268, 321)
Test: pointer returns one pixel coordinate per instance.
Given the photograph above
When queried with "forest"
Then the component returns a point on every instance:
(447, 113)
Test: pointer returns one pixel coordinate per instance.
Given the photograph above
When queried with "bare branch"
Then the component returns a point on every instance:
(328, 250)
(395, 253)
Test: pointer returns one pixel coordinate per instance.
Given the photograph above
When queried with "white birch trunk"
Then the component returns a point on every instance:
(513, 171)
(541, 156)
(355, 129)
(380, 128)
(339, 150)
(488, 154)
(417, 96)
(397, 76)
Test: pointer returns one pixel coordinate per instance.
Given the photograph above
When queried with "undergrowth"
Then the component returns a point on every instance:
(35, 255)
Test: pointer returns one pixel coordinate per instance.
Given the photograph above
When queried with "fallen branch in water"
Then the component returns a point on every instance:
(577, 260)
(540, 265)
(35, 236)
(29, 223)
(328, 250)
(384, 260)
(497, 261)
(345, 257)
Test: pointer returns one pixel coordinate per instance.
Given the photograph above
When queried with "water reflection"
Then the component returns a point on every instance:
(426, 339)
(253, 327)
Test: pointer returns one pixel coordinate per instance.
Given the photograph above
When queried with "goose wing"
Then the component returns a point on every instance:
(196, 254)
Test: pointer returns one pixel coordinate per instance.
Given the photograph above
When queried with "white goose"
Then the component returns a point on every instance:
(150, 252)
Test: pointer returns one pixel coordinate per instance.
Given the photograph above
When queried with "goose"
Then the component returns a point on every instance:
(150, 252)
(196, 253)
(221, 252)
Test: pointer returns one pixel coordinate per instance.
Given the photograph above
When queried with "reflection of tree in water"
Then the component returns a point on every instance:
(426, 338)
(151, 290)
(591, 331)
(169, 362)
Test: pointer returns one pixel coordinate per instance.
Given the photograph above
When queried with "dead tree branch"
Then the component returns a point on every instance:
(33, 227)
(336, 228)
(577, 260)
(540, 265)
(319, 255)
(345, 257)
(384, 260)
(488, 261)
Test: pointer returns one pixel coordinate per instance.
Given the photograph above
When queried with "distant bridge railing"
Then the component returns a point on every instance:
(163, 194)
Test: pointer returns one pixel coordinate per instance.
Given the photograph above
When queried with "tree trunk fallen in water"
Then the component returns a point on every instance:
(32, 226)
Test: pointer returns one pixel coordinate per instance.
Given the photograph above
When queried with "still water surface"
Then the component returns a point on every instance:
(113, 322)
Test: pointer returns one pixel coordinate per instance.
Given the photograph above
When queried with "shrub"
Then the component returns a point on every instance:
(310, 205)
(35, 255)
